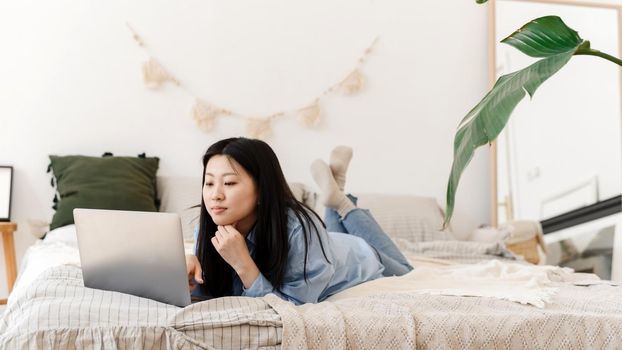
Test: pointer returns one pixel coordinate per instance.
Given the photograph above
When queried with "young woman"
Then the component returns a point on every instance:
(255, 238)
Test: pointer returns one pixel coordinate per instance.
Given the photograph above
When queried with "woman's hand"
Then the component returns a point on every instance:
(194, 271)
(230, 244)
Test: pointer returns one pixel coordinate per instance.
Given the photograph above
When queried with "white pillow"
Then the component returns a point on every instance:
(64, 234)
(180, 195)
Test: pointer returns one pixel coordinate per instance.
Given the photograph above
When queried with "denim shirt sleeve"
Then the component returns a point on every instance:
(319, 271)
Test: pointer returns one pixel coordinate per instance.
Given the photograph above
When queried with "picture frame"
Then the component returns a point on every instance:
(6, 187)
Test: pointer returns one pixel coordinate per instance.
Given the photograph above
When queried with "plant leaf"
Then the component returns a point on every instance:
(480, 1)
(486, 120)
(544, 37)
(547, 37)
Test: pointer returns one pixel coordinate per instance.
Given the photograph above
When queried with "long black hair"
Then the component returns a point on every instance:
(271, 232)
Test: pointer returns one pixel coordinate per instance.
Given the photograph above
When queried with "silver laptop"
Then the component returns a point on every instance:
(139, 253)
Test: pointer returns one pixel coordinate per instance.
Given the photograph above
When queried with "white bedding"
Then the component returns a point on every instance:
(50, 308)
(524, 284)
(60, 247)
(519, 283)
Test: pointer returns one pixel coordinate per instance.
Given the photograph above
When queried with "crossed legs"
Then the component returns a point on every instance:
(342, 214)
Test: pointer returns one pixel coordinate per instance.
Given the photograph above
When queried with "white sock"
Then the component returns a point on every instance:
(331, 195)
(339, 161)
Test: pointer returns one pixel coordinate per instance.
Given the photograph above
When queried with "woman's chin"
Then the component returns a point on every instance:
(222, 222)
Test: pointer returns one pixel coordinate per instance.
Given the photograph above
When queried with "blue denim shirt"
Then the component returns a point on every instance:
(353, 261)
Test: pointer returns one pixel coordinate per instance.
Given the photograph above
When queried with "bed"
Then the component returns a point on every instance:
(461, 295)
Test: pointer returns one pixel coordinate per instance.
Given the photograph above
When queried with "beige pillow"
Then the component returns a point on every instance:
(406, 218)
(303, 194)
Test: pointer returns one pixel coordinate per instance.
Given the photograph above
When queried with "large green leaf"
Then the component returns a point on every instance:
(544, 37)
(486, 120)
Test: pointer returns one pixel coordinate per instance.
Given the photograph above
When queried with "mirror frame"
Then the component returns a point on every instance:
(492, 78)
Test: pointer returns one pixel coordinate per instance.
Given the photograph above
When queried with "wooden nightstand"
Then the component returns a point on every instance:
(7, 229)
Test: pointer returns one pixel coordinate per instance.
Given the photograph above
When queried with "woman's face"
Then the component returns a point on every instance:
(229, 193)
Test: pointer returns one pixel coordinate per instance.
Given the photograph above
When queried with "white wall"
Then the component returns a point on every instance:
(70, 83)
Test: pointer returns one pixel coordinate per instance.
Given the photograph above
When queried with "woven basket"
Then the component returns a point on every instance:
(528, 249)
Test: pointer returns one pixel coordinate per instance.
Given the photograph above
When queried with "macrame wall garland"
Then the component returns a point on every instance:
(154, 75)
(206, 114)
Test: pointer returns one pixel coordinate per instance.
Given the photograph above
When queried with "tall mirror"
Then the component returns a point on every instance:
(559, 160)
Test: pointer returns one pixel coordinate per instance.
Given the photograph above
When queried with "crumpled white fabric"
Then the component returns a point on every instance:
(521, 283)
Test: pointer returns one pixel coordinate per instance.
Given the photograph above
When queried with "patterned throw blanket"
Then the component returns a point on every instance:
(577, 318)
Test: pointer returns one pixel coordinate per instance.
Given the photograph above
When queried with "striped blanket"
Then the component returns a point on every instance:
(58, 312)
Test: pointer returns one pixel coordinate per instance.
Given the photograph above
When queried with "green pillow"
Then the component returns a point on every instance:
(123, 183)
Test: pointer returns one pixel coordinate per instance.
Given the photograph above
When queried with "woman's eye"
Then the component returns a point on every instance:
(208, 184)
(229, 183)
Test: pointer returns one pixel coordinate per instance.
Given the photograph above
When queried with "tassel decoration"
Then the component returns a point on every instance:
(259, 128)
(310, 116)
(353, 83)
(204, 115)
(154, 75)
